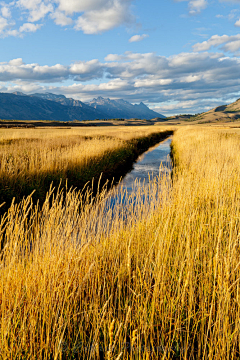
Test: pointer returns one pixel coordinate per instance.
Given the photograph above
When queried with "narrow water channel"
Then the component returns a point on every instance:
(148, 164)
(140, 190)
(150, 168)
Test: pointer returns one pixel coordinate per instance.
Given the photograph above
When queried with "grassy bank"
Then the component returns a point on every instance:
(163, 285)
(30, 160)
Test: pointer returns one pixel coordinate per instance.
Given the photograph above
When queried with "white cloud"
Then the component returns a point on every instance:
(37, 9)
(215, 40)
(40, 12)
(16, 62)
(232, 43)
(136, 38)
(6, 12)
(86, 70)
(3, 24)
(14, 33)
(25, 88)
(17, 70)
(108, 17)
(29, 27)
(95, 16)
(151, 82)
(232, 46)
(61, 19)
(114, 57)
(177, 105)
(76, 6)
(196, 6)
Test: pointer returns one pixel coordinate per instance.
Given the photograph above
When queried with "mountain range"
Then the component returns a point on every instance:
(123, 109)
(48, 106)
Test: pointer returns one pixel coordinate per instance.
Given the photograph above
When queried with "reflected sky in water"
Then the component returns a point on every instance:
(148, 165)
(141, 189)
(151, 166)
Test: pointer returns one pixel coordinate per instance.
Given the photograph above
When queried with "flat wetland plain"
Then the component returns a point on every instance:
(162, 285)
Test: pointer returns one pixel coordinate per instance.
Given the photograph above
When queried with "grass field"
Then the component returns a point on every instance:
(162, 285)
(32, 159)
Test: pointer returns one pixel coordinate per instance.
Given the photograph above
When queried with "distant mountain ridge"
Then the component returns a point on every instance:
(48, 106)
(61, 99)
(24, 107)
(123, 109)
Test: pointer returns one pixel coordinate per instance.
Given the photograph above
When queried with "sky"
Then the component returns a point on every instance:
(176, 56)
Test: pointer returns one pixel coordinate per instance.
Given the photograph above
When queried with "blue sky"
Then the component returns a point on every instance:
(175, 56)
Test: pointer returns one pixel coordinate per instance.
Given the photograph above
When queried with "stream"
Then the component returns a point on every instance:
(141, 190)
(148, 164)
(144, 182)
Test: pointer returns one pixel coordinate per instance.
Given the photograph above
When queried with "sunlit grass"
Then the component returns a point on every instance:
(30, 160)
(162, 285)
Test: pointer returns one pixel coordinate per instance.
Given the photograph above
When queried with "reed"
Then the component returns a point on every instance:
(161, 284)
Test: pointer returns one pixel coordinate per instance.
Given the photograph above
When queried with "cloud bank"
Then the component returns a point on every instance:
(190, 79)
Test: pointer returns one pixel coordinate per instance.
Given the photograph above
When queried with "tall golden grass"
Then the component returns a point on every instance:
(32, 159)
(163, 284)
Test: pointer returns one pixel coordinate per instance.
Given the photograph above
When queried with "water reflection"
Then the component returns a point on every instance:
(148, 165)
(138, 195)
(143, 184)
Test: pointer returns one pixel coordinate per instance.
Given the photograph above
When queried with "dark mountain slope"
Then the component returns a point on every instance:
(22, 107)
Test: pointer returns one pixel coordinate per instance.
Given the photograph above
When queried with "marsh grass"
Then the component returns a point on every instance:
(162, 285)
(32, 160)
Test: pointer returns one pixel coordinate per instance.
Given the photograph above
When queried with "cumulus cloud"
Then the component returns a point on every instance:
(87, 70)
(16, 70)
(3, 24)
(111, 15)
(95, 16)
(15, 62)
(196, 6)
(232, 43)
(6, 12)
(61, 19)
(29, 27)
(76, 6)
(37, 9)
(136, 38)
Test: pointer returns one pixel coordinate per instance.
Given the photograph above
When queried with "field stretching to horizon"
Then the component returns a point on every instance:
(162, 283)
